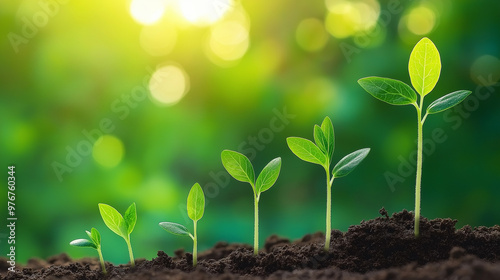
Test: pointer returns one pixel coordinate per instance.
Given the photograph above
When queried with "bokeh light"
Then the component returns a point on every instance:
(147, 11)
(346, 18)
(421, 20)
(311, 34)
(158, 39)
(108, 151)
(228, 41)
(204, 12)
(169, 84)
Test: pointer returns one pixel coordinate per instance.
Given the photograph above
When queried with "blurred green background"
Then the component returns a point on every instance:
(133, 101)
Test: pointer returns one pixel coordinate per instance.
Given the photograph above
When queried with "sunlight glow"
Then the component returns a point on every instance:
(108, 151)
(147, 12)
(204, 12)
(229, 40)
(346, 18)
(169, 84)
(421, 20)
(158, 39)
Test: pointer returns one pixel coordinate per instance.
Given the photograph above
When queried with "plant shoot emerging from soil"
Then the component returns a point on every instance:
(195, 209)
(94, 242)
(424, 68)
(121, 225)
(321, 153)
(240, 167)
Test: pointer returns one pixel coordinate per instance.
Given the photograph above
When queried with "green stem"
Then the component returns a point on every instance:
(328, 231)
(132, 262)
(419, 167)
(256, 226)
(102, 261)
(195, 245)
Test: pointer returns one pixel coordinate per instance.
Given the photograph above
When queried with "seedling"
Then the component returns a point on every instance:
(424, 68)
(94, 242)
(121, 225)
(195, 208)
(321, 153)
(240, 167)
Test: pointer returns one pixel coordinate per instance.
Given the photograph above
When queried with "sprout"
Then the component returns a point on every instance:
(424, 68)
(240, 167)
(195, 208)
(321, 153)
(94, 242)
(121, 225)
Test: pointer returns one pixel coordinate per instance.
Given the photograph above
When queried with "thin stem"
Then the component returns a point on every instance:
(195, 245)
(102, 261)
(328, 231)
(256, 226)
(419, 167)
(132, 262)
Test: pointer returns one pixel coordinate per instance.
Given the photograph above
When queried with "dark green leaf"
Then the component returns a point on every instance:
(320, 139)
(83, 243)
(130, 217)
(327, 128)
(448, 101)
(389, 90)
(349, 162)
(95, 236)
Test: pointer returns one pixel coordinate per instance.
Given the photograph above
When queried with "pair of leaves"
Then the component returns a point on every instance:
(94, 242)
(240, 167)
(195, 208)
(321, 152)
(424, 68)
(121, 225)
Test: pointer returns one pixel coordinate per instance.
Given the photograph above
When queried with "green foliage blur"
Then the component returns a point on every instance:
(123, 101)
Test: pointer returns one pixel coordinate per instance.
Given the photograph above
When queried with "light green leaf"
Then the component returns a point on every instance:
(268, 176)
(238, 166)
(424, 66)
(320, 139)
(130, 217)
(306, 150)
(83, 243)
(349, 162)
(448, 101)
(113, 220)
(327, 128)
(389, 90)
(174, 228)
(95, 236)
(195, 202)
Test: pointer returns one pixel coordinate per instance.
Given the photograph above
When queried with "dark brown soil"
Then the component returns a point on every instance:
(383, 248)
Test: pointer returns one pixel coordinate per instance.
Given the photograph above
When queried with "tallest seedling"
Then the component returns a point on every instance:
(424, 68)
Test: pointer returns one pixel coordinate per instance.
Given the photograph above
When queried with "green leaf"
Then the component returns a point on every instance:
(389, 90)
(327, 128)
(95, 236)
(306, 150)
(195, 202)
(238, 166)
(130, 217)
(113, 220)
(174, 228)
(83, 243)
(320, 139)
(448, 101)
(424, 66)
(349, 162)
(268, 176)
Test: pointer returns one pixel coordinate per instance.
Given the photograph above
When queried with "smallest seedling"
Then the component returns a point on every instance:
(94, 242)
(195, 209)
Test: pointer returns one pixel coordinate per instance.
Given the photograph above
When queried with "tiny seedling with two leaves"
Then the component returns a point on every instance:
(195, 209)
(424, 68)
(240, 167)
(121, 225)
(94, 242)
(321, 153)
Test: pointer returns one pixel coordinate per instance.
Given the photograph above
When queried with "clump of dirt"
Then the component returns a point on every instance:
(382, 248)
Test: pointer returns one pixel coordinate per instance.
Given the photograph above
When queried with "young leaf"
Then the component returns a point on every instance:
(327, 128)
(349, 162)
(320, 139)
(95, 236)
(174, 228)
(130, 217)
(306, 150)
(113, 220)
(238, 166)
(195, 202)
(389, 90)
(268, 176)
(447, 101)
(424, 66)
(83, 243)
